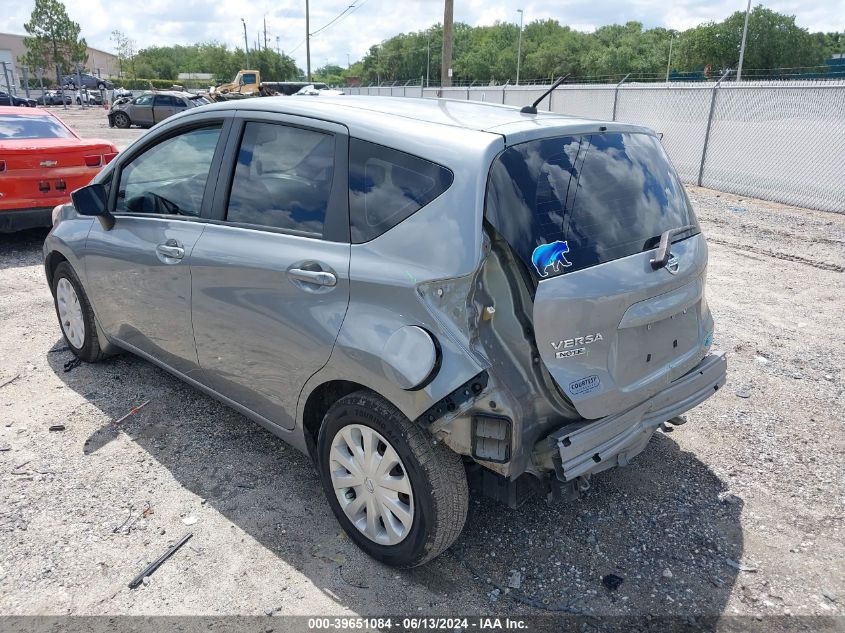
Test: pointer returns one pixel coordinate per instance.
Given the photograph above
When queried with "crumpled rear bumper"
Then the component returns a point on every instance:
(586, 448)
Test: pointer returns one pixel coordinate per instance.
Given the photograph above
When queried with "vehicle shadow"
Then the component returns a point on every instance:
(22, 248)
(663, 526)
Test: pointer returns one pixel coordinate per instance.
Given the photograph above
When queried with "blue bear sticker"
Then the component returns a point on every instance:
(708, 340)
(550, 255)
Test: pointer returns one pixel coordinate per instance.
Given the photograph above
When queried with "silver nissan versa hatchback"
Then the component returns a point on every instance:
(425, 296)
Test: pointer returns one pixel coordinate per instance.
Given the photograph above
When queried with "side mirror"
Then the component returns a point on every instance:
(93, 200)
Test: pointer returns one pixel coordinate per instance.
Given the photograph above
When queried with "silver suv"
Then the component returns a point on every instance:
(422, 295)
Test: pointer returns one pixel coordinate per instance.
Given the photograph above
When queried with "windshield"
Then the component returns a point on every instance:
(13, 126)
(598, 197)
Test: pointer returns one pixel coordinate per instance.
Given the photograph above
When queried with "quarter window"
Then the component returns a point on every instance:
(169, 177)
(387, 186)
(283, 178)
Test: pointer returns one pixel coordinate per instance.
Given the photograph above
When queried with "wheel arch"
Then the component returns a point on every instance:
(54, 258)
(317, 404)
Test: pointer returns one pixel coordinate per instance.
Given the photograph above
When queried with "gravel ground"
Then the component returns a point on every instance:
(740, 511)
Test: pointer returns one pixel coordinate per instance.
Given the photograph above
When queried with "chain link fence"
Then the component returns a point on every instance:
(782, 141)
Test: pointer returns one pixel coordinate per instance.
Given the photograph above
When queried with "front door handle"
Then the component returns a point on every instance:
(172, 249)
(318, 277)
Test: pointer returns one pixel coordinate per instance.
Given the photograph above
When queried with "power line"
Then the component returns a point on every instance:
(343, 14)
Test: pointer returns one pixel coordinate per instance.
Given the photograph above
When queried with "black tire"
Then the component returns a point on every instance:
(437, 476)
(121, 120)
(101, 86)
(90, 350)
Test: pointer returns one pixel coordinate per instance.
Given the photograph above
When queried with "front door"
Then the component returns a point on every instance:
(138, 273)
(271, 278)
(141, 111)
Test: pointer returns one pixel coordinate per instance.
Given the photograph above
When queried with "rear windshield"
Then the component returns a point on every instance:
(596, 198)
(24, 127)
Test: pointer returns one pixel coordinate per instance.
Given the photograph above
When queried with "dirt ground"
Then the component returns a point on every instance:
(739, 512)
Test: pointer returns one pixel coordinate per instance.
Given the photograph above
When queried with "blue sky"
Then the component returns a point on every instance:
(189, 21)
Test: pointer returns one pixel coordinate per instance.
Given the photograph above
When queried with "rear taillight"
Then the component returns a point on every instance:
(107, 158)
(2, 166)
(94, 160)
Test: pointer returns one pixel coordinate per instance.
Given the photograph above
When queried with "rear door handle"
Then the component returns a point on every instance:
(172, 249)
(318, 277)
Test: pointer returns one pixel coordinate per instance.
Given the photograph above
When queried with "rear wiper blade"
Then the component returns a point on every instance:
(661, 258)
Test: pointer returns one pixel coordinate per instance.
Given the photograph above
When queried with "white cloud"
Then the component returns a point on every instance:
(160, 22)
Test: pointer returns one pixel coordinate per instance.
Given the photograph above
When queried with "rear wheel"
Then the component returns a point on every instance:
(101, 86)
(121, 120)
(398, 494)
(75, 314)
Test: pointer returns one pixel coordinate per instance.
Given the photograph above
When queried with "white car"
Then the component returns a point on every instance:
(311, 91)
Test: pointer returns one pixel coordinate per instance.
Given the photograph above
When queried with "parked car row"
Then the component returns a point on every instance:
(14, 100)
(152, 107)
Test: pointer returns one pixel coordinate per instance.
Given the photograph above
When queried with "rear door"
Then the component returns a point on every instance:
(270, 276)
(164, 106)
(584, 214)
(138, 273)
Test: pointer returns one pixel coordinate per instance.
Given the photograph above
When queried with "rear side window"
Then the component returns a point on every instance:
(595, 197)
(387, 186)
(283, 178)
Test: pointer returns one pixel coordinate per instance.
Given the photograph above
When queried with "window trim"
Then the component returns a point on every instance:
(167, 132)
(336, 225)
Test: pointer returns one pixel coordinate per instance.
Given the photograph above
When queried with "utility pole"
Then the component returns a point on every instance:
(308, 43)
(519, 47)
(448, 31)
(742, 46)
(277, 46)
(347, 61)
(265, 32)
(246, 45)
(428, 59)
(669, 63)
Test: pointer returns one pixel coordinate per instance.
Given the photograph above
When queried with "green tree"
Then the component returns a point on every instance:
(125, 47)
(774, 41)
(53, 39)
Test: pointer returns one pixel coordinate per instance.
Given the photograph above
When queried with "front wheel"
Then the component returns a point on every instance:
(398, 494)
(121, 120)
(76, 316)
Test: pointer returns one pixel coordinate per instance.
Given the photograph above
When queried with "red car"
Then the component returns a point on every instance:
(41, 161)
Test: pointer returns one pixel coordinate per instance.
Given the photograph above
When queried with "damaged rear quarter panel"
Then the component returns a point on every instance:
(441, 241)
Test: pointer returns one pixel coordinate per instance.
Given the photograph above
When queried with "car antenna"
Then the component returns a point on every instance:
(532, 109)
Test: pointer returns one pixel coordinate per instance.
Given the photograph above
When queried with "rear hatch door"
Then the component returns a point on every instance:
(585, 214)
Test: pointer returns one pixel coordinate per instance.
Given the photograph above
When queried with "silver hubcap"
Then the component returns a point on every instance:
(371, 484)
(70, 313)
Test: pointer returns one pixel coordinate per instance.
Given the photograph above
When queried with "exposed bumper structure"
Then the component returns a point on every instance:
(587, 448)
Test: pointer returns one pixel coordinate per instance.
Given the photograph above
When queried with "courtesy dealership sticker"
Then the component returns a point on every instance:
(584, 385)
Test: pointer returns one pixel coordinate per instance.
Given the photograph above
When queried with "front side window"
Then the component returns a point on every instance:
(143, 100)
(283, 178)
(169, 177)
(595, 197)
(387, 186)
